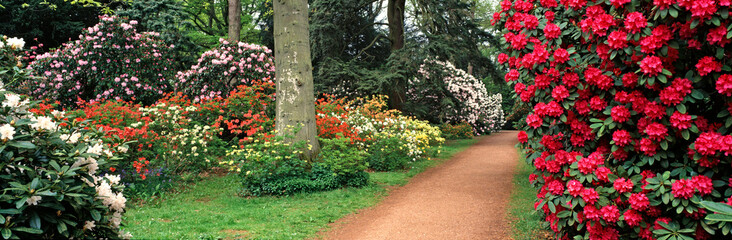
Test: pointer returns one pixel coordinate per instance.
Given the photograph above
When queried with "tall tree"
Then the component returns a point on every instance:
(395, 17)
(234, 20)
(294, 76)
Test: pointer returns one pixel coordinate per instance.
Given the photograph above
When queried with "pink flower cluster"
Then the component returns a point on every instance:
(221, 69)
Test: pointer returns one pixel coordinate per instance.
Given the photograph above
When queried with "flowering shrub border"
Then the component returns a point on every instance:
(630, 122)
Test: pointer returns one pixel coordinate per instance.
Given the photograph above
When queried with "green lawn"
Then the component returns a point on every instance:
(211, 210)
(525, 223)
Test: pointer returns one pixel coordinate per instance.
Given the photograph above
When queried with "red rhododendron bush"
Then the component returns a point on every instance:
(629, 129)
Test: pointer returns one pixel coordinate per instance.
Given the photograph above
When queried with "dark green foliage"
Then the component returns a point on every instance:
(458, 131)
(388, 154)
(453, 33)
(348, 49)
(276, 168)
(169, 18)
(38, 21)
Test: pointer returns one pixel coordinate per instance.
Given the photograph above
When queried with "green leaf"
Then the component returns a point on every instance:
(552, 207)
(681, 108)
(717, 207)
(694, 24)
(28, 230)
(719, 218)
(95, 215)
(35, 221)
(61, 227)
(667, 72)
(22, 144)
(9, 211)
(6, 233)
(673, 12)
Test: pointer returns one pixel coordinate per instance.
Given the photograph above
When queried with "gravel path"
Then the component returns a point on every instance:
(464, 198)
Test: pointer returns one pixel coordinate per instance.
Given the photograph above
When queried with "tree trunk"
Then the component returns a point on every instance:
(294, 76)
(234, 20)
(395, 16)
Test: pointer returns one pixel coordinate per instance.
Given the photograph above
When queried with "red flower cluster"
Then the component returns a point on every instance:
(631, 112)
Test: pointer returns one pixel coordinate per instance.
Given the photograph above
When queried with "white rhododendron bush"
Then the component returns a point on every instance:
(443, 93)
(52, 174)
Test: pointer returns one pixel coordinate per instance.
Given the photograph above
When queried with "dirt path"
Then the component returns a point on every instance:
(464, 198)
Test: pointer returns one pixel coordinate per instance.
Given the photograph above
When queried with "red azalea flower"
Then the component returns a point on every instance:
(610, 213)
(724, 84)
(656, 131)
(680, 121)
(620, 114)
(523, 137)
(638, 201)
(623, 185)
(552, 31)
(703, 184)
(707, 143)
(633, 218)
(635, 21)
(621, 137)
(575, 188)
(534, 121)
(682, 188)
(602, 173)
(617, 39)
(651, 65)
(648, 146)
(590, 196)
(618, 3)
(708, 65)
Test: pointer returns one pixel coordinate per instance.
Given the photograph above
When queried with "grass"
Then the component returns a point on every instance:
(211, 209)
(525, 223)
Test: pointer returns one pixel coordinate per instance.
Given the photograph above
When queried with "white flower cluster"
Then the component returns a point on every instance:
(169, 121)
(13, 43)
(478, 108)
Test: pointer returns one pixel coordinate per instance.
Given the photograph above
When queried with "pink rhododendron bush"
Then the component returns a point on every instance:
(630, 127)
(222, 69)
(111, 60)
(444, 93)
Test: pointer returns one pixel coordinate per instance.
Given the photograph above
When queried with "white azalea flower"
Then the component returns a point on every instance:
(7, 132)
(16, 43)
(33, 200)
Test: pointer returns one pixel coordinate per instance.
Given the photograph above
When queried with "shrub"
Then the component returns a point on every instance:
(51, 176)
(11, 67)
(629, 126)
(249, 110)
(273, 166)
(388, 154)
(443, 93)
(342, 157)
(373, 122)
(225, 67)
(166, 142)
(331, 119)
(110, 61)
(458, 131)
